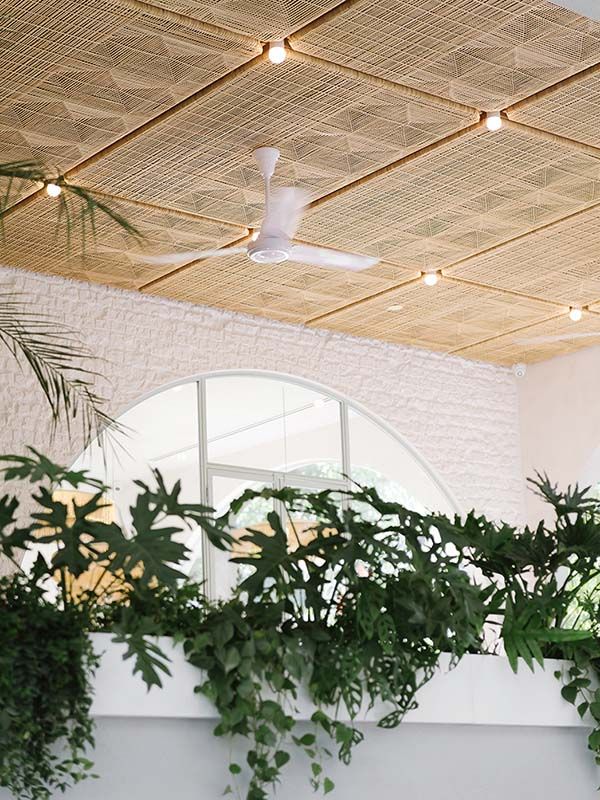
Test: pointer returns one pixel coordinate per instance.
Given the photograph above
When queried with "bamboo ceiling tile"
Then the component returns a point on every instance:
(330, 128)
(290, 291)
(481, 189)
(571, 111)
(264, 19)
(442, 317)
(112, 71)
(488, 54)
(36, 238)
(556, 337)
(560, 263)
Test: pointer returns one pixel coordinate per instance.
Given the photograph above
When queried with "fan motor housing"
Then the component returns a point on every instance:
(270, 250)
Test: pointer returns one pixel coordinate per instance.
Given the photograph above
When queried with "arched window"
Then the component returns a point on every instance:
(224, 432)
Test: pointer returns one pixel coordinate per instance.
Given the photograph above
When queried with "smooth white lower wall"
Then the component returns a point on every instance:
(462, 416)
(182, 760)
(559, 403)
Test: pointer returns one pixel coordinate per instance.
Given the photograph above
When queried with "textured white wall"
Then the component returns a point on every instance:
(462, 416)
(560, 421)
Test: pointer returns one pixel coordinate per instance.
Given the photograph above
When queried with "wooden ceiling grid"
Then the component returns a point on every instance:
(379, 114)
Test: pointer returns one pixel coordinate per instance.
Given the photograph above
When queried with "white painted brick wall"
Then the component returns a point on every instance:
(462, 416)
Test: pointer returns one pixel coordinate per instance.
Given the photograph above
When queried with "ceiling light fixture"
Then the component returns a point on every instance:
(53, 189)
(395, 307)
(493, 121)
(430, 278)
(277, 52)
(575, 314)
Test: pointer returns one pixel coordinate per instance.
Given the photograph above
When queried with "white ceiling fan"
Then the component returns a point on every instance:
(274, 243)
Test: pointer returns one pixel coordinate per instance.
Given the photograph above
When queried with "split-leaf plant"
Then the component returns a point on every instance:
(353, 609)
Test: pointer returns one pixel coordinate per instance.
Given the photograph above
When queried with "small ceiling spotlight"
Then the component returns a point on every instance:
(493, 121)
(277, 52)
(395, 307)
(430, 278)
(53, 189)
(575, 314)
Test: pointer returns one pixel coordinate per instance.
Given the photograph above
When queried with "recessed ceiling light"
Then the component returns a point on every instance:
(430, 278)
(53, 189)
(277, 52)
(575, 314)
(395, 307)
(493, 121)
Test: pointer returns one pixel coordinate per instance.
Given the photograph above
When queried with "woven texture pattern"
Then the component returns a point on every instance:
(488, 54)
(288, 292)
(480, 190)
(37, 241)
(560, 263)
(378, 114)
(442, 317)
(79, 75)
(571, 112)
(264, 19)
(556, 337)
(330, 128)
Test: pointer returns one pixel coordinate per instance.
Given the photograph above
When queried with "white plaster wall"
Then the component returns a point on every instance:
(560, 421)
(462, 416)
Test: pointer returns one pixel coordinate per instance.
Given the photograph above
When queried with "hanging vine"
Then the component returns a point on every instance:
(356, 607)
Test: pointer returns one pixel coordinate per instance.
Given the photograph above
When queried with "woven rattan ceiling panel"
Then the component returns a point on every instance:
(264, 19)
(556, 337)
(33, 240)
(479, 190)
(442, 317)
(330, 128)
(561, 262)
(570, 111)
(377, 111)
(288, 292)
(486, 53)
(89, 72)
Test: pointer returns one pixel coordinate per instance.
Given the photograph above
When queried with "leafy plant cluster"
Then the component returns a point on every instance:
(355, 611)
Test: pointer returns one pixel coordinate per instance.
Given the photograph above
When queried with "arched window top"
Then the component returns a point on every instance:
(222, 432)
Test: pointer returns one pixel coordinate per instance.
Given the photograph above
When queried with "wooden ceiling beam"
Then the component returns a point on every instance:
(193, 23)
(407, 92)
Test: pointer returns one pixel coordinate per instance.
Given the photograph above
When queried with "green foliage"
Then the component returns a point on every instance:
(46, 663)
(54, 352)
(356, 611)
(94, 578)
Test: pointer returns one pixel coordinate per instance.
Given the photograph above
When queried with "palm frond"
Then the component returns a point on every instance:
(91, 204)
(53, 351)
(55, 355)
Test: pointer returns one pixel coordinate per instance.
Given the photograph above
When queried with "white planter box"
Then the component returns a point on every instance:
(480, 733)
(481, 690)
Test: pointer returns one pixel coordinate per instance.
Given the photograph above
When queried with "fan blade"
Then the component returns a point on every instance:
(331, 259)
(560, 337)
(284, 212)
(190, 255)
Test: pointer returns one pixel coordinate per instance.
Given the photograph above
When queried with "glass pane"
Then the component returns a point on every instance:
(162, 433)
(270, 424)
(253, 514)
(379, 460)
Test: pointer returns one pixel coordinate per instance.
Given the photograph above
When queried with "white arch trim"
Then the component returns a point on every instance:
(319, 387)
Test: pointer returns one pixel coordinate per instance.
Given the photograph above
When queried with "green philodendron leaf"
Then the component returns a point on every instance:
(149, 660)
(357, 610)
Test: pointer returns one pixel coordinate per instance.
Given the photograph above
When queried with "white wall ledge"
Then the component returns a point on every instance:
(481, 690)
